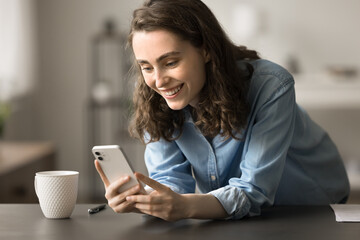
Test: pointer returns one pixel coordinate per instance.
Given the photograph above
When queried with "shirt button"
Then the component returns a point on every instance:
(213, 177)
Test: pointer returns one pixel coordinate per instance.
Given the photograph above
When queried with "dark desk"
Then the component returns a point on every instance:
(25, 221)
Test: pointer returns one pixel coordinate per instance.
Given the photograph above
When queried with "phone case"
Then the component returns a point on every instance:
(114, 164)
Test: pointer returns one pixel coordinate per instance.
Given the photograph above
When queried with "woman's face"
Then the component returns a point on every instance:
(170, 66)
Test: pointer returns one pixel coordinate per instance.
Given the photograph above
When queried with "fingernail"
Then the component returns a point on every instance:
(128, 199)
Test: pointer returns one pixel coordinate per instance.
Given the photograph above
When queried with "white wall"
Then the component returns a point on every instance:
(320, 33)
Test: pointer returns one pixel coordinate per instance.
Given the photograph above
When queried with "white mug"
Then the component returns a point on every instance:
(57, 192)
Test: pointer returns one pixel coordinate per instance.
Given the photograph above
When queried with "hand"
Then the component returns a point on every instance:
(162, 202)
(117, 201)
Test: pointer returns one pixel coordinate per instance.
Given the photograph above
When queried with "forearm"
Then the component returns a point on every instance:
(204, 206)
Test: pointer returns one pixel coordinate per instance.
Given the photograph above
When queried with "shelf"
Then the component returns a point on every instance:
(19, 161)
(327, 92)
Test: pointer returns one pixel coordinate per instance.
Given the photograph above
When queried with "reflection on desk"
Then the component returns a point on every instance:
(25, 221)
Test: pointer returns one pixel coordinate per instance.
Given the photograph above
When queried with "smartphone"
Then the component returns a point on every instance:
(114, 164)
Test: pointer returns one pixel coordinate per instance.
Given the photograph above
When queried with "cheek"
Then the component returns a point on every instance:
(198, 76)
(149, 81)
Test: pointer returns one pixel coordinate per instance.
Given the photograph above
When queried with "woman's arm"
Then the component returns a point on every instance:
(204, 206)
(171, 206)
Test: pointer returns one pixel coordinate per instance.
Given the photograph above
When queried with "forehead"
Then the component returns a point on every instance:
(151, 44)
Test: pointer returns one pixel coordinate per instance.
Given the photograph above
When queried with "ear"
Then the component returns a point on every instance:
(206, 55)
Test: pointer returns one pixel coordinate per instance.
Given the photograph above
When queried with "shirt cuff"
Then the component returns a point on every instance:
(234, 201)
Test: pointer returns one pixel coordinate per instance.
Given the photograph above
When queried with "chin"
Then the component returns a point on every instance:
(176, 106)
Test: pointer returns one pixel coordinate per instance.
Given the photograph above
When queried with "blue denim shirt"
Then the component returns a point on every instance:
(284, 158)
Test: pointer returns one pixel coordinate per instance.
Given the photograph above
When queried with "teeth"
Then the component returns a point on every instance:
(172, 92)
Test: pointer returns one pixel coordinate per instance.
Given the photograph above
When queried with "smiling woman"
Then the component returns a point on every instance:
(216, 116)
(194, 27)
(172, 67)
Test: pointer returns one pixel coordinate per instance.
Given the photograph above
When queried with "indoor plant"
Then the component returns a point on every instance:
(4, 114)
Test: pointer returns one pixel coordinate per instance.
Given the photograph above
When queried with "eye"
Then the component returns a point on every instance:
(146, 69)
(171, 64)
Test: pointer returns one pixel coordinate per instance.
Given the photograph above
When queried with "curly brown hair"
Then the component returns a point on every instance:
(222, 107)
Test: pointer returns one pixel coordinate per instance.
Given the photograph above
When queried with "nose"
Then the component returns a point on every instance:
(160, 78)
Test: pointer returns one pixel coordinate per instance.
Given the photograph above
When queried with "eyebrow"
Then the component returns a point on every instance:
(159, 59)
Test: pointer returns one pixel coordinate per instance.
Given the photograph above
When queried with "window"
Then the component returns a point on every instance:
(17, 47)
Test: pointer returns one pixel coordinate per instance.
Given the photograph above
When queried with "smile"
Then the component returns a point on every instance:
(173, 91)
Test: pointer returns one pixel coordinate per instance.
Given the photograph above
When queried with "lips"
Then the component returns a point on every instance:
(173, 91)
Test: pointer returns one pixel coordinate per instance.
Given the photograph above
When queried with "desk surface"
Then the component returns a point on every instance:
(25, 221)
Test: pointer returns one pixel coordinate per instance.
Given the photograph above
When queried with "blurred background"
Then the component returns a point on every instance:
(65, 83)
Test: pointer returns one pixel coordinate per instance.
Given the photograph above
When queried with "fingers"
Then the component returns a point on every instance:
(121, 198)
(113, 189)
(147, 199)
(101, 173)
(154, 210)
(164, 211)
(152, 204)
(147, 204)
(117, 201)
(151, 183)
(162, 202)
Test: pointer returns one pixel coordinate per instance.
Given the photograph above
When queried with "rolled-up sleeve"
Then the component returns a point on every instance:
(267, 142)
(233, 200)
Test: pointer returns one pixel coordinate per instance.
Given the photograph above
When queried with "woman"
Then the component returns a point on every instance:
(216, 116)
